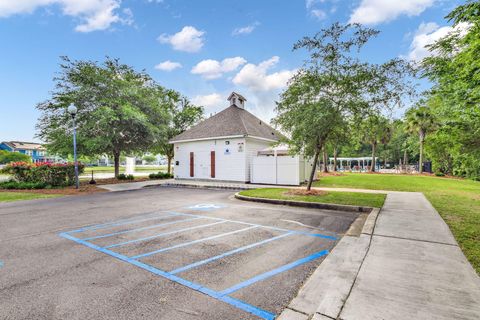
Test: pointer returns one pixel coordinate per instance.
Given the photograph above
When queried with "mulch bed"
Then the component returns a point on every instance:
(85, 187)
(304, 192)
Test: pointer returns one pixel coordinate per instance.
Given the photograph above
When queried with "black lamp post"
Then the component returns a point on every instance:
(72, 110)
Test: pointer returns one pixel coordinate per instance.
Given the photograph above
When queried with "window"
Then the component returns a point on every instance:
(28, 152)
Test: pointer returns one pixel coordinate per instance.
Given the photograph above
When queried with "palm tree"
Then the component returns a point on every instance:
(376, 128)
(420, 120)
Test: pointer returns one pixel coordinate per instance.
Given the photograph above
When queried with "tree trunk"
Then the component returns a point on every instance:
(420, 165)
(116, 161)
(325, 159)
(169, 165)
(335, 159)
(314, 168)
(405, 159)
(374, 149)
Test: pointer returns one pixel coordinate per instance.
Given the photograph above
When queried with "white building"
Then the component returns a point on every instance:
(222, 147)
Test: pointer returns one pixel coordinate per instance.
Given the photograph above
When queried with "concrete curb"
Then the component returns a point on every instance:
(305, 204)
(325, 292)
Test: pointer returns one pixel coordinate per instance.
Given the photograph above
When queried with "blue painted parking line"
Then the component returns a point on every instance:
(228, 253)
(273, 272)
(224, 295)
(214, 294)
(139, 229)
(191, 242)
(318, 235)
(123, 222)
(164, 234)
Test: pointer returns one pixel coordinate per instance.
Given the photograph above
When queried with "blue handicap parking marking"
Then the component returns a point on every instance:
(222, 295)
(206, 206)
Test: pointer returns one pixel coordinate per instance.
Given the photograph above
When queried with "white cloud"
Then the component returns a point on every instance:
(93, 14)
(245, 30)
(168, 65)
(189, 39)
(319, 14)
(256, 78)
(213, 69)
(208, 101)
(428, 33)
(377, 11)
(310, 3)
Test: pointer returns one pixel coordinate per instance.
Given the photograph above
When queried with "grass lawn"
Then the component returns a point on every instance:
(16, 196)
(457, 201)
(349, 198)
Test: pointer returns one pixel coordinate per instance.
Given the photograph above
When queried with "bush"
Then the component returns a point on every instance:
(51, 174)
(7, 157)
(123, 176)
(160, 175)
(21, 185)
(440, 174)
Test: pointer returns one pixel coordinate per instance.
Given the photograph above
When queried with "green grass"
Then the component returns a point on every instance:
(457, 201)
(17, 196)
(349, 198)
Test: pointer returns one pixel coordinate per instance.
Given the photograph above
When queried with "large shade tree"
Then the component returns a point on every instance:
(453, 69)
(121, 111)
(183, 115)
(335, 85)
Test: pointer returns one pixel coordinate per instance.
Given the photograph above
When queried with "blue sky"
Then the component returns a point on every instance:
(204, 49)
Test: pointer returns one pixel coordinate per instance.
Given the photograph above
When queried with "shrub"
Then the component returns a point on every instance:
(123, 176)
(21, 185)
(440, 174)
(160, 175)
(51, 174)
(7, 157)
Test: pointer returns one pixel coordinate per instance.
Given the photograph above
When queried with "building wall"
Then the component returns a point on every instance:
(252, 147)
(229, 159)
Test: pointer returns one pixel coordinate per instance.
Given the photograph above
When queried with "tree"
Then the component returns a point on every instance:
(183, 115)
(120, 110)
(453, 68)
(419, 120)
(335, 85)
(7, 157)
(149, 158)
(375, 129)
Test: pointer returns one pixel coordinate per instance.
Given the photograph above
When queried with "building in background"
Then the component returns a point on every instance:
(35, 150)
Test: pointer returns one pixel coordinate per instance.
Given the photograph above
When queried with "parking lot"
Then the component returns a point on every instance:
(162, 253)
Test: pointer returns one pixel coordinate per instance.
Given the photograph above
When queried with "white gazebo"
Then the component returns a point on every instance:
(354, 164)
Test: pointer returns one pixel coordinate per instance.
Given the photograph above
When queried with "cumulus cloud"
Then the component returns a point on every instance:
(189, 39)
(428, 33)
(213, 69)
(245, 30)
(208, 101)
(168, 65)
(257, 78)
(378, 11)
(93, 14)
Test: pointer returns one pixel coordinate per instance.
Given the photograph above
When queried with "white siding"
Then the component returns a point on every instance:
(229, 166)
(252, 147)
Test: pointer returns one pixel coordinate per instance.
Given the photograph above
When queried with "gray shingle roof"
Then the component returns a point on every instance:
(232, 121)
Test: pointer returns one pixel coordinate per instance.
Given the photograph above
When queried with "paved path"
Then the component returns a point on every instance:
(414, 268)
(408, 266)
(216, 184)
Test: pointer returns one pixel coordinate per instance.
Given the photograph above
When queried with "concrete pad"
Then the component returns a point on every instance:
(328, 287)
(319, 316)
(288, 314)
(411, 216)
(409, 279)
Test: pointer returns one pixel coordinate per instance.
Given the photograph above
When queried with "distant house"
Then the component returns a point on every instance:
(32, 149)
(222, 146)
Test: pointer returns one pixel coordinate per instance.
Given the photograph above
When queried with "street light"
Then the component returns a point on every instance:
(72, 110)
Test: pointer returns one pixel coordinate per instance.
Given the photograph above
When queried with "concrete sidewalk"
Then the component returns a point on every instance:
(408, 267)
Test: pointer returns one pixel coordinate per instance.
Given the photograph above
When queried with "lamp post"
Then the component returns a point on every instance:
(72, 110)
